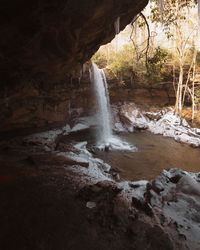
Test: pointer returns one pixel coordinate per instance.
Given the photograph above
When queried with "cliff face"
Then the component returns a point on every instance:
(43, 44)
(162, 95)
(37, 106)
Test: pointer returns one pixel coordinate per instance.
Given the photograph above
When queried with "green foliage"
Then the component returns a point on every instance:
(122, 82)
(158, 59)
(171, 12)
(130, 62)
(198, 58)
(197, 96)
(124, 65)
(121, 63)
(100, 59)
(189, 57)
(156, 64)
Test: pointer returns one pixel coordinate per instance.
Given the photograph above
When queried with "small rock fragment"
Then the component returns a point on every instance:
(91, 204)
(157, 185)
(142, 205)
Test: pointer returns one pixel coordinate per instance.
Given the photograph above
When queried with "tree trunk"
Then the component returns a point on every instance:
(179, 92)
(193, 103)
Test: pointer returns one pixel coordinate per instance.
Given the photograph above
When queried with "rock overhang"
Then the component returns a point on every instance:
(44, 43)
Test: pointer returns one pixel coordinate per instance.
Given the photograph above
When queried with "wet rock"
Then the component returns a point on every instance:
(142, 206)
(107, 148)
(154, 199)
(106, 168)
(160, 239)
(182, 236)
(115, 172)
(153, 115)
(157, 185)
(175, 179)
(55, 160)
(101, 190)
(90, 204)
(133, 185)
(47, 149)
(158, 214)
(174, 175)
(127, 215)
(169, 124)
(64, 147)
(189, 186)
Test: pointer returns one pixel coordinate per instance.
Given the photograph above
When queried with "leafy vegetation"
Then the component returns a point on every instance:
(145, 61)
(100, 59)
(123, 65)
(157, 70)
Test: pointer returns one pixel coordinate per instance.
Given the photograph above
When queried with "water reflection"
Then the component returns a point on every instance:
(155, 153)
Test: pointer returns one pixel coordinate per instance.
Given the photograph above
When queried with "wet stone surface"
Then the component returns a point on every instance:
(51, 200)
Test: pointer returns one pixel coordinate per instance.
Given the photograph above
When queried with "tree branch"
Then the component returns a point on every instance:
(146, 49)
(148, 40)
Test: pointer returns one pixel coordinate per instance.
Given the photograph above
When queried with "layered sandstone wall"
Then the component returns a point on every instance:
(43, 44)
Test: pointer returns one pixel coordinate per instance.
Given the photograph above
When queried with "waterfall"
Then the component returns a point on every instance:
(105, 138)
(98, 78)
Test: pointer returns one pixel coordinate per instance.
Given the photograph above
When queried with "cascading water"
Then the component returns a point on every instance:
(105, 137)
(98, 78)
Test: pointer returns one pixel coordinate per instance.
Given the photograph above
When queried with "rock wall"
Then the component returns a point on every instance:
(43, 44)
(163, 95)
(37, 106)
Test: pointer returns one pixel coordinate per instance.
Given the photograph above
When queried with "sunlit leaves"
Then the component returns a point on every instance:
(171, 12)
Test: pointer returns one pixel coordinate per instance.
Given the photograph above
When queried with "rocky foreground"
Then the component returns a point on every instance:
(56, 195)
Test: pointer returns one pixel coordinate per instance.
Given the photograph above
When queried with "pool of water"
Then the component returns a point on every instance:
(154, 154)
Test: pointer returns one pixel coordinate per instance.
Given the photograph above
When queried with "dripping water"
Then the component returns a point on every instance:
(117, 25)
(84, 68)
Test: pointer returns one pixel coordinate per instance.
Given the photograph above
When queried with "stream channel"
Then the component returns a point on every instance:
(154, 153)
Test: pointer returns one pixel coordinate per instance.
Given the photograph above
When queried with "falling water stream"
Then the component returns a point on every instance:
(101, 93)
(105, 138)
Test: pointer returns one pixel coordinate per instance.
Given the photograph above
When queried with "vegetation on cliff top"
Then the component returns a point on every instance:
(158, 48)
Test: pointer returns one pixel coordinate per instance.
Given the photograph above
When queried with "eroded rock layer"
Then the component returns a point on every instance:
(45, 43)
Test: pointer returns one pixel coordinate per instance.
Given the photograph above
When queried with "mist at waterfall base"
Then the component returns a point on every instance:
(104, 135)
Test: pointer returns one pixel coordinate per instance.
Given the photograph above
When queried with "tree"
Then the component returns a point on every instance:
(176, 20)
